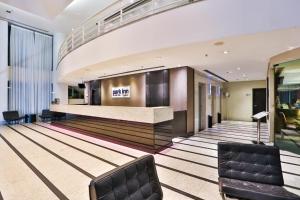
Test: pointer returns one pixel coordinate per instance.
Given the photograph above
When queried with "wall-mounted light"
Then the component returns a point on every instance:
(209, 89)
(227, 94)
(219, 91)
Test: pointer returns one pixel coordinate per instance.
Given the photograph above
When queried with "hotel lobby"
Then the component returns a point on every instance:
(149, 100)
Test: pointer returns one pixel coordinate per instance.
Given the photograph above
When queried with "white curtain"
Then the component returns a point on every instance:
(31, 70)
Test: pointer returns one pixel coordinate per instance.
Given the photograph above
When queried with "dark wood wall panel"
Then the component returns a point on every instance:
(94, 92)
(190, 100)
(157, 88)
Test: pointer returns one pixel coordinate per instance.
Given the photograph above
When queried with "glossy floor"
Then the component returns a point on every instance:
(40, 161)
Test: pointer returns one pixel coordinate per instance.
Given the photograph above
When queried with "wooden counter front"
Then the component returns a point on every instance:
(150, 136)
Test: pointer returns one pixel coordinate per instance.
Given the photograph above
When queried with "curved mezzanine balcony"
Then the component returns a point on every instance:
(178, 36)
(119, 14)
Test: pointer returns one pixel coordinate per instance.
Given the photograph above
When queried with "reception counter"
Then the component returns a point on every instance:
(145, 128)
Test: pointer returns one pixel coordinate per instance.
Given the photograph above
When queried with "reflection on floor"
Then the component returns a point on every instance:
(40, 161)
(289, 140)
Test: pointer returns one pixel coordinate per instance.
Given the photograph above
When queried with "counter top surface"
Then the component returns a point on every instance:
(136, 114)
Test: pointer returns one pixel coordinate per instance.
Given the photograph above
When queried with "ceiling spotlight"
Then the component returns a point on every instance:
(291, 48)
(226, 52)
(244, 75)
(238, 68)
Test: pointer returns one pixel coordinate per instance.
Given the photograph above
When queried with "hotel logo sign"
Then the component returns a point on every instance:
(121, 92)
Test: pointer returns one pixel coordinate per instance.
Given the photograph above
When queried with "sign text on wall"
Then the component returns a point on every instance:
(121, 92)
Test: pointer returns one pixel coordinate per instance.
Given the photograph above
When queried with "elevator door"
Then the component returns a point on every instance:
(259, 101)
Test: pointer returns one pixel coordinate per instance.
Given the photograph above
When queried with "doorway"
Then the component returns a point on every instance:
(214, 109)
(201, 106)
(259, 101)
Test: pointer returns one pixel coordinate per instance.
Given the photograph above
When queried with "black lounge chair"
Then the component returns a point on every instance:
(251, 171)
(136, 180)
(46, 114)
(12, 117)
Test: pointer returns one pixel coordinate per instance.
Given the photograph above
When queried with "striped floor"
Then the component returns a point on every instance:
(40, 161)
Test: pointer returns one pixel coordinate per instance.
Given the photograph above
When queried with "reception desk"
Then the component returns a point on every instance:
(145, 128)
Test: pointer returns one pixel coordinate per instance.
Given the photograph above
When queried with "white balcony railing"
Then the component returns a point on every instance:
(116, 15)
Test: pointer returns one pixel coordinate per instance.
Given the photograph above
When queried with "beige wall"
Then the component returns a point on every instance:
(206, 100)
(182, 93)
(178, 88)
(137, 85)
(238, 106)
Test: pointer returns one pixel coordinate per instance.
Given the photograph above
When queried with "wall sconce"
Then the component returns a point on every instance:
(227, 94)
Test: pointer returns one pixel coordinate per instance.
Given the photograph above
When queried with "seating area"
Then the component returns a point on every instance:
(12, 117)
(250, 171)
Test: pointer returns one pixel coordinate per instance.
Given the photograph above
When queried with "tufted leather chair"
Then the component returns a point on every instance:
(136, 180)
(252, 172)
(12, 116)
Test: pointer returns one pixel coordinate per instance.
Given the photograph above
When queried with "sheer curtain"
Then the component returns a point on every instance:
(31, 70)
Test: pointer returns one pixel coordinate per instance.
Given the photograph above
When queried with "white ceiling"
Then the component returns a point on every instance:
(247, 59)
(52, 15)
(48, 9)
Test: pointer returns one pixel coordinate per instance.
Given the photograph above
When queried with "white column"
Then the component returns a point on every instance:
(3, 67)
(60, 89)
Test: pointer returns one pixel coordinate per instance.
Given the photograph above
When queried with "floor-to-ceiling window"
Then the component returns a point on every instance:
(31, 65)
(287, 98)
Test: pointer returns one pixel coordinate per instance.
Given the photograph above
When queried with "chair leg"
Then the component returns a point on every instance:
(222, 195)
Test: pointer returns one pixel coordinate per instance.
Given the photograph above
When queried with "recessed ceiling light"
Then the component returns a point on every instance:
(244, 75)
(238, 68)
(226, 52)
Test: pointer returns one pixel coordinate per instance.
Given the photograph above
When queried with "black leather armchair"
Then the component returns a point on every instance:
(136, 180)
(46, 114)
(12, 116)
(251, 171)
